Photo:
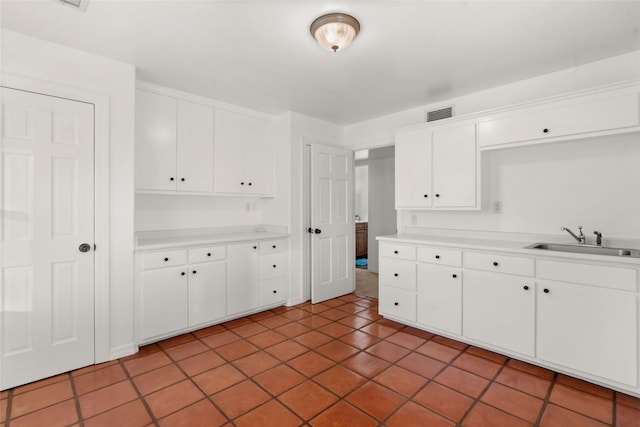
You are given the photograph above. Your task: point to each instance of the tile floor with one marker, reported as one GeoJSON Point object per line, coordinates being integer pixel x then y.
{"type": "Point", "coordinates": [331, 364]}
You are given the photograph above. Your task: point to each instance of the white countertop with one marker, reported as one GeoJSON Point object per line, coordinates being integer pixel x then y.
{"type": "Point", "coordinates": [510, 246]}
{"type": "Point", "coordinates": [161, 239]}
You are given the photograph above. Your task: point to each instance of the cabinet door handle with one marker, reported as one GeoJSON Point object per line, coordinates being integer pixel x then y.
{"type": "Point", "coordinates": [250, 183]}
{"type": "Point", "coordinates": [395, 252]}
{"type": "Point", "coordinates": [274, 246]}
{"type": "Point", "coordinates": [255, 247]}
{"type": "Point", "coordinates": [396, 304]}
{"type": "Point", "coordinates": [242, 183]}
{"type": "Point", "coordinates": [208, 253]}
{"type": "Point", "coordinates": [454, 275]}
{"type": "Point", "coordinates": [545, 130]}
{"type": "Point", "coordinates": [426, 195]}
{"type": "Point", "coordinates": [437, 256]}
{"type": "Point", "coordinates": [395, 274]}
{"type": "Point", "coordinates": [275, 292]}
{"type": "Point", "coordinates": [545, 290]}
{"type": "Point", "coordinates": [525, 287]}
{"type": "Point", "coordinates": [495, 263]}
{"type": "Point", "coordinates": [194, 271]}
{"type": "Point", "coordinates": [166, 259]}
{"type": "Point", "coordinates": [274, 266]}
{"type": "Point", "coordinates": [182, 273]}
{"type": "Point", "coordinates": [182, 179]}
{"type": "Point", "coordinates": [437, 195]}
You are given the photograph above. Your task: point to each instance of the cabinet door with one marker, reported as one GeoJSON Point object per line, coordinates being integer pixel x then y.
{"type": "Point", "coordinates": [589, 329]}
{"type": "Point", "coordinates": [243, 286]}
{"type": "Point", "coordinates": [163, 301]}
{"type": "Point", "coordinates": [228, 167]}
{"type": "Point", "coordinates": [440, 298]}
{"type": "Point", "coordinates": [207, 292]}
{"type": "Point", "coordinates": [413, 169]}
{"type": "Point", "coordinates": [259, 156]}
{"type": "Point", "coordinates": [499, 310]}
{"type": "Point", "coordinates": [195, 147]}
{"type": "Point", "coordinates": [454, 167]}
{"type": "Point", "coordinates": [155, 141]}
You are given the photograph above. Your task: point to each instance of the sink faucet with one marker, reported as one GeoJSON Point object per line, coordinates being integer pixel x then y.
{"type": "Point", "coordinates": [598, 238]}
{"type": "Point", "coordinates": [580, 238]}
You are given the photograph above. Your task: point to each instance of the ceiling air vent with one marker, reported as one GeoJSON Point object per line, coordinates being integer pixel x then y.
{"type": "Point", "coordinates": [76, 4]}
{"type": "Point", "coordinates": [443, 113]}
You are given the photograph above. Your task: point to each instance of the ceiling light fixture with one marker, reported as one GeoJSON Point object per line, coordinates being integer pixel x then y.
{"type": "Point", "coordinates": [335, 31]}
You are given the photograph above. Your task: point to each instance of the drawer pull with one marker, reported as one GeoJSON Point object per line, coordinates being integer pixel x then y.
{"type": "Point", "coordinates": [396, 304]}
{"type": "Point", "coordinates": [395, 252]}
{"type": "Point", "coordinates": [546, 291]}
{"type": "Point", "coordinates": [255, 247]}
{"type": "Point", "coordinates": [437, 256]}
{"type": "Point", "coordinates": [437, 195]}
{"type": "Point", "coordinates": [275, 292]}
{"type": "Point", "coordinates": [274, 266]}
{"type": "Point", "coordinates": [208, 253]}
{"type": "Point", "coordinates": [194, 271]}
{"type": "Point", "coordinates": [395, 274]}
{"type": "Point", "coordinates": [171, 179]}
{"type": "Point", "coordinates": [426, 195]}
{"type": "Point", "coordinates": [182, 273]}
{"type": "Point", "coordinates": [526, 288]}
{"type": "Point", "coordinates": [182, 179]}
{"type": "Point", "coordinates": [274, 246]}
{"type": "Point", "coordinates": [166, 259]}
{"type": "Point", "coordinates": [495, 263]}
{"type": "Point", "coordinates": [454, 275]}
{"type": "Point", "coordinates": [545, 130]}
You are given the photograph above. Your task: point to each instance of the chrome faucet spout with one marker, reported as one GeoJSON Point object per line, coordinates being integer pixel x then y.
{"type": "Point", "coordinates": [580, 238]}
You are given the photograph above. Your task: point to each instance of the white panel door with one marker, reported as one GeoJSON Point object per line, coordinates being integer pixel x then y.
{"type": "Point", "coordinates": [413, 169]}
{"type": "Point", "coordinates": [228, 166]}
{"type": "Point", "coordinates": [195, 147]}
{"type": "Point", "coordinates": [333, 240]}
{"type": "Point", "coordinates": [46, 207]}
{"type": "Point", "coordinates": [259, 158]}
{"type": "Point", "coordinates": [155, 141]}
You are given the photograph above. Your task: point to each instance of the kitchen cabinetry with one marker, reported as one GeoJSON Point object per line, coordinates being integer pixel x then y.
{"type": "Point", "coordinates": [174, 144]}
{"type": "Point", "coordinates": [437, 168]}
{"type": "Point", "coordinates": [244, 149]}
{"type": "Point", "coordinates": [397, 279]}
{"type": "Point", "coordinates": [362, 239]}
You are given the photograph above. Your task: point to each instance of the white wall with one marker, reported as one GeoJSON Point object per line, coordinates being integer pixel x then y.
{"type": "Point", "coordinates": [382, 212]}
{"type": "Point", "coordinates": [361, 177]}
{"type": "Point", "coordinates": [38, 59]}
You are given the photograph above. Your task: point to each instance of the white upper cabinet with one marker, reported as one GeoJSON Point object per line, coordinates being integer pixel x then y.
{"type": "Point", "coordinates": [437, 167]}
{"type": "Point", "coordinates": [244, 158]}
{"type": "Point", "coordinates": [174, 144]}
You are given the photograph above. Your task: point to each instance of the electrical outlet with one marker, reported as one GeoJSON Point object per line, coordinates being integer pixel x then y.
{"type": "Point", "coordinates": [497, 207]}
{"type": "Point", "coordinates": [414, 219]}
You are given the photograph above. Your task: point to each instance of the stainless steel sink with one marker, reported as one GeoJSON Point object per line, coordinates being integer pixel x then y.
{"type": "Point", "coordinates": [586, 249]}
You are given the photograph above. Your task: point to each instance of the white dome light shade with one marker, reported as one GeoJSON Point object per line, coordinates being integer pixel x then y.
{"type": "Point", "coordinates": [335, 31]}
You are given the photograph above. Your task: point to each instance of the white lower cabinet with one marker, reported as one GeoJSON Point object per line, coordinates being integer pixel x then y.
{"type": "Point", "coordinates": [440, 298]}
{"type": "Point", "coordinates": [500, 310]}
{"type": "Point", "coordinates": [397, 303]}
{"type": "Point", "coordinates": [207, 292]}
{"type": "Point", "coordinates": [164, 303]}
{"type": "Point", "coordinates": [244, 280]}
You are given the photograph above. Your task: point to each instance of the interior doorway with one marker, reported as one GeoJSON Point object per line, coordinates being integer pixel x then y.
{"type": "Point", "coordinates": [374, 211]}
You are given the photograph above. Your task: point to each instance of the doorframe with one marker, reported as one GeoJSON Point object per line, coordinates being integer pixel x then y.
{"type": "Point", "coordinates": [101, 123]}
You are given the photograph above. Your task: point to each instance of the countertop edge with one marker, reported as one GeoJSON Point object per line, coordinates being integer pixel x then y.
{"type": "Point", "coordinates": [185, 242]}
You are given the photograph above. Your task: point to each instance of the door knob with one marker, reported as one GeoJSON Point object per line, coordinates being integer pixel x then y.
{"type": "Point", "coordinates": [317, 231]}
{"type": "Point", "coordinates": [85, 247]}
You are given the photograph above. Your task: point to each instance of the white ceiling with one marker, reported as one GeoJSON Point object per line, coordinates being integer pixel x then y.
{"type": "Point", "coordinates": [259, 54]}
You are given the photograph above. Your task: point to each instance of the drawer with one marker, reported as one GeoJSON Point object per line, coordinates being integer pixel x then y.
{"type": "Point", "coordinates": [397, 303]}
{"type": "Point", "coordinates": [625, 279]}
{"type": "Point", "coordinates": [273, 291]}
{"type": "Point", "coordinates": [164, 259]}
{"type": "Point", "coordinates": [392, 250]}
{"type": "Point", "coordinates": [273, 246]}
{"type": "Point", "coordinates": [499, 263]}
{"type": "Point", "coordinates": [214, 253]}
{"type": "Point", "coordinates": [440, 256]}
{"type": "Point", "coordinates": [398, 273]}
{"type": "Point", "coordinates": [273, 265]}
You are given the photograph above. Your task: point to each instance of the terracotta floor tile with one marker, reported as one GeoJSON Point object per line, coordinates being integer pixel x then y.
{"type": "Point", "coordinates": [555, 416]}
{"type": "Point", "coordinates": [420, 364]}
{"type": "Point", "coordinates": [180, 339]}
{"type": "Point", "coordinates": [582, 402]}
{"type": "Point", "coordinates": [4, 404]}
{"type": "Point", "coordinates": [401, 381]}
{"type": "Point", "coordinates": [450, 343]}
{"type": "Point", "coordinates": [274, 321]}
{"type": "Point", "coordinates": [315, 321]}
{"type": "Point", "coordinates": [106, 398]}
{"type": "Point", "coordinates": [444, 401]}
{"type": "Point", "coordinates": [462, 381]}
{"type": "Point", "coordinates": [626, 416]}
{"type": "Point", "coordinates": [412, 415]}
{"type": "Point", "coordinates": [359, 339]}
{"type": "Point", "coordinates": [316, 308]}
{"type": "Point", "coordinates": [418, 333]}
{"type": "Point", "coordinates": [477, 365]}
{"type": "Point", "coordinates": [391, 323]}
{"type": "Point", "coordinates": [218, 379]}
{"type": "Point", "coordinates": [366, 364]}
{"type": "Point", "coordinates": [147, 363]}
{"type": "Point", "coordinates": [215, 329]}
{"type": "Point", "coordinates": [367, 302]}
{"type": "Point", "coordinates": [40, 397]}
{"type": "Point", "coordinates": [531, 369]}
{"type": "Point", "coordinates": [58, 415]}
{"type": "Point", "coordinates": [513, 402]}
{"type": "Point", "coordinates": [173, 398]}
{"type": "Point", "coordinates": [52, 380]}
{"type": "Point", "coordinates": [236, 322]}
{"type": "Point", "coordinates": [351, 308]}
{"type": "Point", "coordinates": [438, 351]}
{"type": "Point", "coordinates": [143, 351]}
{"type": "Point", "coordinates": [200, 414]}
{"type": "Point", "coordinates": [334, 314]}
{"type": "Point", "coordinates": [378, 330]}
{"type": "Point", "coordinates": [160, 378]}
{"type": "Point", "coordinates": [625, 399]}
{"type": "Point", "coordinates": [585, 386]}
{"type": "Point", "coordinates": [249, 329]}
{"type": "Point", "coordinates": [485, 416]}
{"type": "Point", "coordinates": [296, 314]}
{"type": "Point", "coordinates": [376, 400]}
{"type": "Point", "coordinates": [340, 380]}
{"type": "Point", "coordinates": [134, 414]}
{"type": "Point", "coordinates": [337, 350]}
{"type": "Point", "coordinates": [98, 379]}
{"type": "Point", "coordinates": [335, 330]}
{"type": "Point", "coordinates": [343, 415]}
{"type": "Point", "coordinates": [406, 340]}
{"type": "Point", "coordinates": [287, 350]}
{"type": "Point", "coordinates": [350, 298]}
{"type": "Point", "coordinates": [486, 354]}
{"type": "Point", "coordinates": [262, 315]}
{"type": "Point", "coordinates": [220, 339]}
{"type": "Point", "coordinates": [240, 398]}
{"type": "Point", "coordinates": [313, 339]}
{"type": "Point", "coordinates": [256, 363]}
{"type": "Point", "coordinates": [292, 329]}
{"type": "Point", "coordinates": [236, 350]}
{"type": "Point", "coordinates": [271, 414]}
{"type": "Point", "coordinates": [266, 339]}
{"type": "Point", "coordinates": [311, 363]}
{"type": "Point", "coordinates": [388, 351]}
{"type": "Point", "coordinates": [307, 399]}
{"type": "Point", "coordinates": [279, 379]}
{"type": "Point", "coordinates": [182, 351]}
{"type": "Point", "coordinates": [536, 386]}
{"type": "Point", "coordinates": [355, 322]}
{"type": "Point", "coordinates": [333, 302]}
{"type": "Point", "coordinates": [202, 362]}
